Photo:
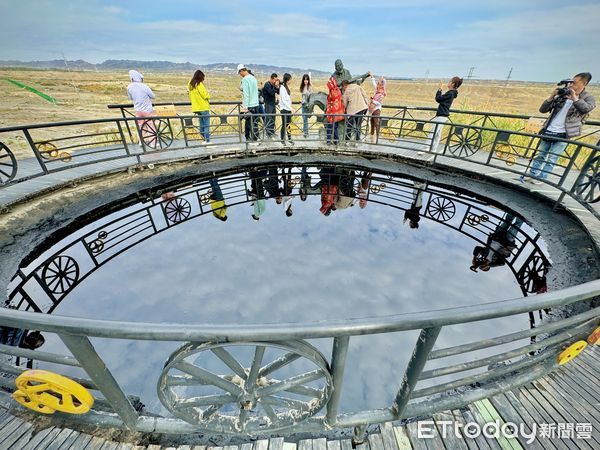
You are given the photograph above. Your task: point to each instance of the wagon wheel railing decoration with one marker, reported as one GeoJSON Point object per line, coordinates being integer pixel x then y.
{"type": "Point", "coordinates": [532, 274]}
{"type": "Point", "coordinates": [464, 142]}
{"type": "Point", "coordinates": [474, 219]}
{"type": "Point", "coordinates": [97, 245]}
{"type": "Point", "coordinates": [205, 198]}
{"type": "Point", "coordinates": [441, 209]}
{"type": "Point", "coordinates": [588, 186]}
{"type": "Point", "coordinates": [177, 209]}
{"type": "Point", "coordinates": [47, 150]}
{"type": "Point", "coordinates": [60, 274]}
{"type": "Point", "coordinates": [157, 134]}
{"type": "Point", "coordinates": [261, 386]}
{"type": "Point", "coordinates": [8, 164]}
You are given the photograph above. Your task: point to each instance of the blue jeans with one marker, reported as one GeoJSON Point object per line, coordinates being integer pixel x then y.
{"type": "Point", "coordinates": [305, 117]}
{"type": "Point", "coordinates": [548, 153]}
{"type": "Point", "coordinates": [332, 132]}
{"type": "Point", "coordinates": [204, 129]}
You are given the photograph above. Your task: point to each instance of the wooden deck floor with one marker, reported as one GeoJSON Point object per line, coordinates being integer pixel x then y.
{"type": "Point", "coordinates": [559, 410]}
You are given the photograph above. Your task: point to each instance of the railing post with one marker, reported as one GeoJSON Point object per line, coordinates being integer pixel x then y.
{"type": "Point", "coordinates": [402, 123]}
{"type": "Point", "coordinates": [83, 350]}
{"type": "Point", "coordinates": [123, 140]}
{"type": "Point", "coordinates": [185, 139]}
{"type": "Point", "coordinates": [126, 123]}
{"type": "Point", "coordinates": [415, 366]}
{"type": "Point", "coordinates": [36, 152]}
{"type": "Point", "coordinates": [338, 364]}
{"type": "Point", "coordinates": [569, 166]}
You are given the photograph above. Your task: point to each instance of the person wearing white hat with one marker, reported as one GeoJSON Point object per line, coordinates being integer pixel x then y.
{"type": "Point", "coordinates": [142, 96]}
{"type": "Point", "coordinates": [249, 102]}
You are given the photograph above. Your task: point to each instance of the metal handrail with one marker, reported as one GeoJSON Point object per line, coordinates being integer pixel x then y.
{"type": "Point", "coordinates": [310, 330]}
{"type": "Point", "coordinates": [407, 107]}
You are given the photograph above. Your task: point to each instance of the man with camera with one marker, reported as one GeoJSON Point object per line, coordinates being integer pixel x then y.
{"type": "Point", "coordinates": [568, 107]}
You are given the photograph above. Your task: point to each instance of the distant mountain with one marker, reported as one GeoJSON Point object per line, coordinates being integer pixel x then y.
{"type": "Point", "coordinates": [156, 66]}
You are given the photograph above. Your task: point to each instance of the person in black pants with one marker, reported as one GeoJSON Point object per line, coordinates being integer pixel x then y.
{"type": "Point", "coordinates": [270, 89]}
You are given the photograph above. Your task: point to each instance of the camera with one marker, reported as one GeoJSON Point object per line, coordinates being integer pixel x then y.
{"type": "Point", "coordinates": [565, 90]}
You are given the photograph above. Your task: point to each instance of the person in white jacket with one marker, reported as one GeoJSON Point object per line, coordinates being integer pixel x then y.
{"type": "Point", "coordinates": [285, 108]}
{"type": "Point", "coordinates": [141, 96]}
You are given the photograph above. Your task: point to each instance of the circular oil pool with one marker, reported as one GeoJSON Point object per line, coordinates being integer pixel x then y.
{"type": "Point", "coordinates": [287, 244]}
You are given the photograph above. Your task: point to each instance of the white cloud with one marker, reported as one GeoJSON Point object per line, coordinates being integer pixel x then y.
{"type": "Point", "coordinates": [541, 41]}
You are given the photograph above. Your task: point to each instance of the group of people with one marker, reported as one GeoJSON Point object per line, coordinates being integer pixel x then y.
{"type": "Point", "coordinates": [348, 103]}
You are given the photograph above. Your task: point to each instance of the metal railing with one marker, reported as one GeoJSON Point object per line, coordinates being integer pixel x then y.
{"type": "Point", "coordinates": [263, 396]}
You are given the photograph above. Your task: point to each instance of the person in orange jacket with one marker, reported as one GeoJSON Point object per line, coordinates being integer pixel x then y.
{"type": "Point", "coordinates": [334, 111]}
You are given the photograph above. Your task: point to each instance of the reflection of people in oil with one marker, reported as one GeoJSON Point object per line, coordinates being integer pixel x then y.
{"type": "Point", "coordinates": [499, 246]}
{"type": "Point", "coordinates": [257, 192]}
{"type": "Point", "coordinates": [286, 191]}
{"type": "Point", "coordinates": [413, 214]}
{"type": "Point", "coordinates": [217, 201]}
{"type": "Point", "coordinates": [346, 194]}
{"type": "Point", "coordinates": [272, 184]}
{"type": "Point", "coordinates": [363, 189]}
{"type": "Point", "coordinates": [17, 337]}
{"type": "Point", "coordinates": [330, 185]}
{"type": "Point", "coordinates": [306, 186]}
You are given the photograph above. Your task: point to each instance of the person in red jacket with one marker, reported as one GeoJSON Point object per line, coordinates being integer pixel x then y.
{"type": "Point", "coordinates": [334, 111]}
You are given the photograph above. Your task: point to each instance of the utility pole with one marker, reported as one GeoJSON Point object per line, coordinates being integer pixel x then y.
{"type": "Point", "coordinates": [427, 75]}
{"type": "Point", "coordinates": [470, 75]}
{"type": "Point", "coordinates": [508, 77]}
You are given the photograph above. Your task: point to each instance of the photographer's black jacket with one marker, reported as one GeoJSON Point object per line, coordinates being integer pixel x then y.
{"type": "Point", "coordinates": [445, 101]}
{"type": "Point", "coordinates": [269, 92]}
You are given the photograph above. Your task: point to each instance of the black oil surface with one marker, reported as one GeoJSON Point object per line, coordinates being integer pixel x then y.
{"type": "Point", "coordinates": [342, 243]}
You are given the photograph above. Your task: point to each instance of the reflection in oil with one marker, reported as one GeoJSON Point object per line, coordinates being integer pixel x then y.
{"type": "Point", "coordinates": [288, 244]}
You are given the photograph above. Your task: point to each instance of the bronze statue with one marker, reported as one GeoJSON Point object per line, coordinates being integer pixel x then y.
{"type": "Point", "coordinates": [342, 74]}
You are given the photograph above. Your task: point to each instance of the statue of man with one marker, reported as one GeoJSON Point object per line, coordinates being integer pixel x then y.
{"type": "Point", "coordinates": [342, 74]}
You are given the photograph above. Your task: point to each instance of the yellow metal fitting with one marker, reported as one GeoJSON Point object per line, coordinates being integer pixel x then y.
{"type": "Point", "coordinates": [594, 338]}
{"type": "Point", "coordinates": [571, 352]}
{"type": "Point", "coordinates": [47, 392]}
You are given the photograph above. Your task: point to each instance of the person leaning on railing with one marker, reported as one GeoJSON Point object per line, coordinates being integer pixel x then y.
{"type": "Point", "coordinates": [199, 97]}
{"type": "Point", "coordinates": [141, 96]}
{"type": "Point", "coordinates": [567, 113]}
{"type": "Point", "coordinates": [376, 103]}
{"type": "Point", "coordinates": [356, 102]}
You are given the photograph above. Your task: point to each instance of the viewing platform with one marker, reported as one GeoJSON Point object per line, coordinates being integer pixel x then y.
{"type": "Point", "coordinates": [543, 378]}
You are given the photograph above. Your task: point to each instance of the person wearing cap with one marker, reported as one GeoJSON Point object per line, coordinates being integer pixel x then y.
{"type": "Point", "coordinates": [249, 102]}
{"type": "Point", "coordinates": [141, 96]}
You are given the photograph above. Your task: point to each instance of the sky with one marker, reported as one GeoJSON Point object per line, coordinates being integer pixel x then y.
{"type": "Point", "coordinates": [542, 40]}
